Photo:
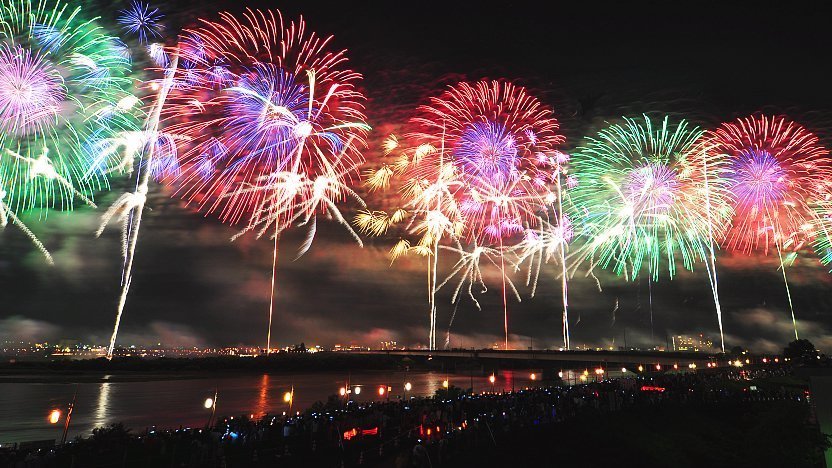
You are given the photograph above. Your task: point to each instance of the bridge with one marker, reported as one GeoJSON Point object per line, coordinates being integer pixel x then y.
{"type": "Point", "coordinates": [546, 358]}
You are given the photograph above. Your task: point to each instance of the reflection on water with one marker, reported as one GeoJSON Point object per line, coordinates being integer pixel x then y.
{"type": "Point", "coordinates": [262, 406]}
{"type": "Point", "coordinates": [180, 402]}
{"type": "Point", "coordinates": [102, 410]}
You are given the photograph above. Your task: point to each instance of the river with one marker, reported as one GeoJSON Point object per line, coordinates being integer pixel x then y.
{"type": "Point", "coordinates": [166, 402]}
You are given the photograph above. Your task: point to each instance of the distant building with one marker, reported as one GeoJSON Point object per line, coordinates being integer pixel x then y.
{"type": "Point", "coordinates": [692, 343]}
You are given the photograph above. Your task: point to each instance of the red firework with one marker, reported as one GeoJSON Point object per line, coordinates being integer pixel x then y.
{"type": "Point", "coordinates": [260, 110]}
{"type": "Point", "coordinates": [500, 142]}
{"type": "Point", "coordinates": [776, 171]}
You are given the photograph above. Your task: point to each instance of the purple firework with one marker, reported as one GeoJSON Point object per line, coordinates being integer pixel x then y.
{"type": "Point", "coordinates": [489, 151]}
{"type": "Point", "coordinates": [31, 91]}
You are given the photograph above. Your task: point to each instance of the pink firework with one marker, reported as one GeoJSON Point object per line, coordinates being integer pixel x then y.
{"type": "Point", "coordinates": [777, 170]}
{"type": "Point", "coordinates": [31, 91]}
{"type": "Point", "coordinates": [262, 110]}
{"type": "Point", "coordinates": [491, 145]}
{"type": "Point", "coordinates": [499, 140]}
{"type": "Point", "coordinates": [268, 123]}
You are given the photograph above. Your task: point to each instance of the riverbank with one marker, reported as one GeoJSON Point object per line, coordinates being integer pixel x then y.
{"type": "Point", "coordinates": [725, 418]}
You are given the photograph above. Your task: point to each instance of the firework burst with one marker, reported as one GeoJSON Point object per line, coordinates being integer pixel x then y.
{"type": "Point", "coordinates": [268, 124]}
{"type": "Point", "coordinates": [778, 172]}
{"type": "Point", "coordinates": [650, 196]}
{"type": "Point", "coordinates": [142, 20]}
{"type": "Point", "coordinates": [254, 99]}
{"type": "Point", "coordinates": [63, 89]}
{"type": "Point", "coordinates": [497, 137]}
{"type": "Point", "coordinates": [474, 171]}
{"type": "Point", "coordinates": [643, 197]}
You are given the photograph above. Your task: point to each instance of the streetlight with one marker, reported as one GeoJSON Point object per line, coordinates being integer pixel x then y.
{"type": "Point", "coordinates": [357, 390]}
{"type": "Point", "coordinates": [407, 387]}
{"type": "Point", "coordinates": [289, 398]}
{"type": "Point", "coordinates": [54, 416]}
{"type": "Point", "coordinates": [211, 403]}
{"type": "Point", "coordinates": [533, 376]}
{"type": "Point", "coordinates": [445, 383]}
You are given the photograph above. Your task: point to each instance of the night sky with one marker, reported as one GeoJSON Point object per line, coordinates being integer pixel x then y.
{"type": "Point", "coordinates": [590, 62]}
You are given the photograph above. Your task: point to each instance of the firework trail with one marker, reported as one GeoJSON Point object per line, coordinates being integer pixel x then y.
{"type": "Point", "coordinates": [268, 125]}
{"type": "Point", "coordinates": [476, 172]}
{"type": "Point", "coordinates": [648, 194]}
{"type": "Point", "coordinates": [777, 172]}
{"type": "Point", "coordinates": [63, 88]}
{"type": "Point", "coordinates": [538, 247]}
{"type": "Point", "coordinates": [710, 264]}
{"type": "Point", "coordinates": [432, 212]}
{"type": "Point", "coordinates": [130, 206]}
{"type": "Point", "coordinates": [468, 267]}
{"type": "Point", "coordinates": [551, 240]}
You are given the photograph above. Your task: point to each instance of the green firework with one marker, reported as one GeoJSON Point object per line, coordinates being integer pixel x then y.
{"type": "Point", "coordinates": [648, 197]}
{"type": "Point", "coordinates": [64, 94]}
{"type": "Point", "coordinates": [823, 238]}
